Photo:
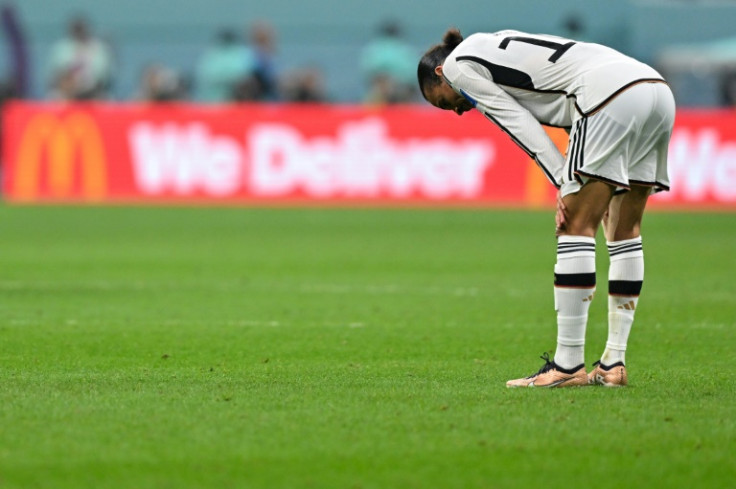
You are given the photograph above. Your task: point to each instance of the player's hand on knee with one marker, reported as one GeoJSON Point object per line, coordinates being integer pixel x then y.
{"type": "Point", "coordinates": [560, 214]}
{"type": "Point", "coordinates": [605, 222]}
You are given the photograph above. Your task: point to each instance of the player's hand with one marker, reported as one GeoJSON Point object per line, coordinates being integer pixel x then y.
{"type": "Point", "coordinates": [605, 221]}
{"type": "Point", "coordinates": [560, 214]}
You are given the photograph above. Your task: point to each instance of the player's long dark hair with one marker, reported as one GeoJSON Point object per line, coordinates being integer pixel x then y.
{"type": "Point", "coordinates": [434, 57]}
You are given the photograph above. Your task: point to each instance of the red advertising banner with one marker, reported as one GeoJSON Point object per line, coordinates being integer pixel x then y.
{"type": "Point", "coordinates": [702, 160]}
{"type": "Point", "coordinates": [332, 154]}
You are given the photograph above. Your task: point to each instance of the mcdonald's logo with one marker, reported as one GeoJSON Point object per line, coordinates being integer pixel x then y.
{"type": "Point", "coordinates": [72, 149]}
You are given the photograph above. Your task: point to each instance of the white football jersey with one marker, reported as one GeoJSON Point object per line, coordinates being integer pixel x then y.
{"type": "Point", "coordinates": [520, 81]}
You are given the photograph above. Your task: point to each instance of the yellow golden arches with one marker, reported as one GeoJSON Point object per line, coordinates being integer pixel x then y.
{"type": "Point", "coordinates": [61, 139]}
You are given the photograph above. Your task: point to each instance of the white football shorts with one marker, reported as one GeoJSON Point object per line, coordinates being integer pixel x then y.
{"type": "Point", "coordinates": [625, 142]}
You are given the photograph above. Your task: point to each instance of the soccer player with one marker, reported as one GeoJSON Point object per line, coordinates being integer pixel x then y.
{"type": "Point", "coordinates": [619, 113]}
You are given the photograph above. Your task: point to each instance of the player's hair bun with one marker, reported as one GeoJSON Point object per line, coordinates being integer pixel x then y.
{"type": "Point", "coordinates": [435, 56]}
{"type": "Point", "coordinates": [452, 38]}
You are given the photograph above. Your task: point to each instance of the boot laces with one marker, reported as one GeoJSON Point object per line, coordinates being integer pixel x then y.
{"type": "Point", "coordinates": [549, 364]}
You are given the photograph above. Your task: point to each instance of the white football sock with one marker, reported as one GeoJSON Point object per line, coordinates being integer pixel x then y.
{"type": "Point", "coordinates": [625, 278]}
{"type": "Point", "coordinates": [574, 290]}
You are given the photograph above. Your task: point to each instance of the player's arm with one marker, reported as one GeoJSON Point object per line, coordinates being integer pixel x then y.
{"type": "Point", "coordinates": [504, 111]}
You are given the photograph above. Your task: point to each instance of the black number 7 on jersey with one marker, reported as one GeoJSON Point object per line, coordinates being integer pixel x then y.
{"type": "Point", "coordinates": [559, 49]}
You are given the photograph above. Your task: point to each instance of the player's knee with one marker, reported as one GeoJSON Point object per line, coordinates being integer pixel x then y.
{"type": "Point", "coordinates": [621, 233]}
{"type": "Point", "coordinates": [581, 226]}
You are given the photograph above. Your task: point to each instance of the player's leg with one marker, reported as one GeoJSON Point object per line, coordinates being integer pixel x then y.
{"type": "Point", "coordinates": [647, 169]}
{"type": "Point", "coordinates": [575, 277]}
{"type": "Point", "coordinates": [574, 286]}
{"type": "Point", "coordinates": [625, 213]}
{"type": "Point", "coordinates": [624, 144]}
{"type": "Point", "coordinates": [625, 278]}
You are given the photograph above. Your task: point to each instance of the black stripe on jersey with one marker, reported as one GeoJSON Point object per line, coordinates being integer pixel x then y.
{"type": "Point", "coordinates": [521, 80]}
{"type": "Point", "coordinates": [575, 280]}
{"type": "Point", "coordinates": [624, 287]}
{"type": "Point", "coordinates": [503, 75]}
{"type": "Point", "coordinates": [528, 151]}
{"type": "Point", "coordinates": [504, 129]}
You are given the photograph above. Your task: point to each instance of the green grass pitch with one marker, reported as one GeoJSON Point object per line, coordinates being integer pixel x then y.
{"type": "Point", "coordinates": [353, 348]}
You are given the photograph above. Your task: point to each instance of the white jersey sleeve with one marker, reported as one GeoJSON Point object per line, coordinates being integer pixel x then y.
{"type": "Point", "coordinates": [510, 116]}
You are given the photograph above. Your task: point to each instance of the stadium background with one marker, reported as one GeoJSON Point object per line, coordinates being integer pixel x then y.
{"type": "Point", "coordinates": [331, 33]}
{"type": "Point", "coordinates": [301, 343]}
{"type": "Point", "coordinates": [329, 40]}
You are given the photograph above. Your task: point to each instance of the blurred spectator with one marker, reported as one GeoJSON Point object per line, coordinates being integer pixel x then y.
{"type": "Point", "coordinates": [728, 87]}
{"type": "Point", "coordinates": [573, 27]}
{"type": "Point", "coordinates": [80, 64]}
{"type": "Point", "coordinates": [16, 82]}
{"type": "Point", "coordinates": [264, 82]}
{"type": "Point", "coordinates": [388, 65]}
{"type": "Point", "coordinates": [304, 85]}
{"type": "Point", "coordinates": [161, 84]}
{"type": "Point", "coordinates": [224, 68]}
{"type": "Point", "coordinates": [701, 73]}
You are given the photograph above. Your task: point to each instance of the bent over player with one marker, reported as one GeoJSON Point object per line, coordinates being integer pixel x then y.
{"type": "Point", "coordinates": [619, 113]}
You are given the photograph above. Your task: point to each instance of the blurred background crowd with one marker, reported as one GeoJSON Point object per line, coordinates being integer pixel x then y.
{"type": "Point", "coordinates": [327, 51]}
